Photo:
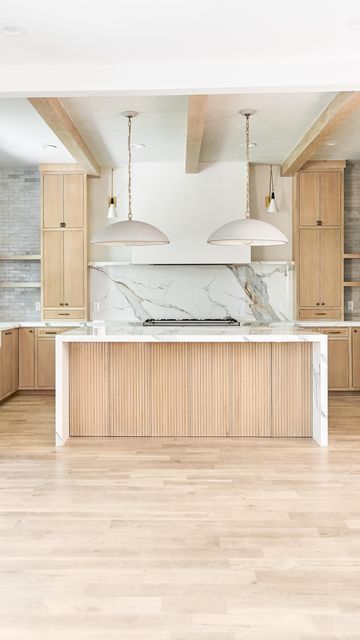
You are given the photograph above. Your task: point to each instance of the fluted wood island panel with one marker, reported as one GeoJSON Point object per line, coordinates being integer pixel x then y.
{"type": "Point", "coordinates": [190, 389]}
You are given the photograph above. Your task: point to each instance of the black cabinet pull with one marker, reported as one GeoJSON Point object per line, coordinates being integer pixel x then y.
{"type": "Point", "coordinates": [62, 224]}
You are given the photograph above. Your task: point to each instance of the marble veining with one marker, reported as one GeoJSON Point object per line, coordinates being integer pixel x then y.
{"type": "Point", "coordinates": [258, 292]}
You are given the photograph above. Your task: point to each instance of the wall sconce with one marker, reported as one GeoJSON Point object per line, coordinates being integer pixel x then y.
{"type": "Point", "coordinates": [270, 201]}
{"type": "Point", "coordinates": [112, 213]}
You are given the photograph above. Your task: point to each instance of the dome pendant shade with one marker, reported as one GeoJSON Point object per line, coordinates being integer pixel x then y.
{"type": "Point", "coordinates": [130, 233]}
{"type": "Point", "coordinates": [247, 231]}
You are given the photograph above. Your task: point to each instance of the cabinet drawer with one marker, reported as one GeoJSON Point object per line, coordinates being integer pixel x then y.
{"type": "Point", "coordinates": [336, 333]}
{"type": "Point", "coordinates": [49, 332]}
{"type": "Point", "coordinates": [69, 314]}
{"type": "Point", "coordinates": [318, 313]}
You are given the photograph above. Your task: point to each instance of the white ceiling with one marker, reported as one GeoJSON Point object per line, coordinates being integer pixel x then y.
{"type": "Point", "coordinates": [160, 125]}
{"type": "Point", "coordinates": [279, 122]}
{"type": "Point", "coordinates": [178, 46]}
{"type": "Point", "coordinates": [22, 134]}
{"type": "Point", "coordinates": [118, 31]}
{"type": "Point", "coordinates": [347, 138]}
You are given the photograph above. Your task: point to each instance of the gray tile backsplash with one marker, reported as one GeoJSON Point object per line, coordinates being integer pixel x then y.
{"type": "Point", "coordinates": [19, 234]}
{"type": "Point", "coordinates": [352, 235]}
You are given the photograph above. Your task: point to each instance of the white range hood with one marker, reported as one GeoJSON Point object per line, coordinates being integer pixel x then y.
{"type": "Point", "coordinates": [187, 207]}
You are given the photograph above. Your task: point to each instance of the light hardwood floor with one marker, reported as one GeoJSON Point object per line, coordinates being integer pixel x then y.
{"type": "Point", "coordinates": [184, 539]}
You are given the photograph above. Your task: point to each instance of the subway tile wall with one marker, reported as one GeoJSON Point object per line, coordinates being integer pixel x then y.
{"type": "Point", "coordinates": [19, 234]}
{"type": "Point", "coordinates": [352, 235]}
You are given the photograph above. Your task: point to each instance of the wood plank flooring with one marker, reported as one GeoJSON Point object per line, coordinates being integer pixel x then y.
{"type": "Point", "coordinates": [160, 539]}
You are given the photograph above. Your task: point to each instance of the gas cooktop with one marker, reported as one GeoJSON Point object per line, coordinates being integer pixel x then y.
{"type": "Point", "coordinates": [191, 322]}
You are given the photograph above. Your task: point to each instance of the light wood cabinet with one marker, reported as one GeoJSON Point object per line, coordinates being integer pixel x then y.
{"type": "Point", "coordinates": [53, 264]}
{"type": "Point", "coordinates": [26, 358]}
{"type": "Point", "coordinates": [9, 362]}
{"type": "Point", "coordinates": [320, 268]}
{"type": "Point", "coordinates": [355, 349]}
{"type": "Point", "coordinates": [318, 240]}
{"type": "Point", "coordinates": [64, 245]}
{"type": "Point", "coordinates": [320, 198]}
{"type": "Point", "coordinates": [37, 357]}
{"type": "Point", "coordinates": [73, 269]}
{"type": "Point", "coordinates": [339, 359]}
{"type": "Point", "coordinates": [53, 201]}
{"type": "Point", "coordinates": [63, 201]}
{"type": "Point", "coordinates": [45, 358]}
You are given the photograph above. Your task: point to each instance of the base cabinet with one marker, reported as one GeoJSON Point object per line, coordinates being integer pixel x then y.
{"type": "Point", "coordinates": [45, 358]}
{"type": "Point", "coordinates": [9, 363]}
{"type": "Point", "coordinates": [355, 353]}
{"type": "Point", "coordinates": [339, 364]}
{"type": "Point", "coordinates": [343, 358]}
{"type": "Point", "coordinates": [26, 358]}
{"type": "Point", "coordinates": [37, 357]}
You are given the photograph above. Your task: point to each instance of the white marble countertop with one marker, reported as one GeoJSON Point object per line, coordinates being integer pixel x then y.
{"type": "Point", "coordinates": [5, 326]}
{"type": "Point", "coordinates": [136, 332]}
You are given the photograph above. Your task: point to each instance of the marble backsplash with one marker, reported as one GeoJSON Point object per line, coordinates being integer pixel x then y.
{"type": "Point", "coordinates": [259, 292]}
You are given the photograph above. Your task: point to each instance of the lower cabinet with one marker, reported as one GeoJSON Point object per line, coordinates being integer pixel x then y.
{"type": "Point", "coordinates": [355, 352]}
{"type": "Point", "coordinates": [9, 362]}
{"type": "Point", "coordinates": [45, 360]}
{"type": "Point", "coordinates": [37, 357]}
{"type": "Point", "coordinates": [339, 358]}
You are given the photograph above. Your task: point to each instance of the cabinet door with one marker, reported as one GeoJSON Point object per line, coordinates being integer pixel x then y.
{"type": "Point", "coordinates": [45, 369]}
{"type": "Point", "coordinates": [355, 345]}
{"type": "Point", "coordinates": [53, 293]}
{"type": "Point", "coordinates": [309, 199]}
{"type": "Point", "coordinates": [74, 201]}
{"type": "Point", "coordinates": [26, 358]}
{"type": "Point", "coordinates": [330, 198]}
{"type": "Point", "coordinates": [53, 201]}
{"type": "Point", "coordinates": [309, 268]}
{"type": "Point", "coordinates": [74, 273]}
{"type": "Point", "coordinates": [331, 268]}
{"type": "Point", "coordinates": [9, 362]}
{"type": "Point", "coordinates": [338, 364]}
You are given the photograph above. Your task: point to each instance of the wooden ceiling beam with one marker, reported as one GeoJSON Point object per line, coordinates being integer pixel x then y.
{"type": "Point", "coordinates": [340, 108]}
{"type": "Point", "coordinates": [197, 106]}
{"type": "Point", "coordinates": [55, 116]}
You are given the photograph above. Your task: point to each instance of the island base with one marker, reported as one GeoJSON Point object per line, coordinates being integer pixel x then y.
{"type": "Point", "coordinates": [190, 389]}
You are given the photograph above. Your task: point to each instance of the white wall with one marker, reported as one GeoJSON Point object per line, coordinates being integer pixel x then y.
{"type": "Point", "coordinates": [259, 187]}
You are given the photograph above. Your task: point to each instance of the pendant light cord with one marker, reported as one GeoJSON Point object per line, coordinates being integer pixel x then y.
{"type": "Point", "coordinates": [247, 141]}
{"type": "Point", "coordinates": [129, 167]}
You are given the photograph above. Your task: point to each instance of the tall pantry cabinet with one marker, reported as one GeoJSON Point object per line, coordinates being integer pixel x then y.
{"type": "Point", "coordinates": [318, 239]}
{"type": "Point", "coordinates": [64, 244]}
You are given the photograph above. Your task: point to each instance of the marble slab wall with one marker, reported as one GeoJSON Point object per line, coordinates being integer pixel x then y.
{"type": "Point", "coordinates": [256, 292]}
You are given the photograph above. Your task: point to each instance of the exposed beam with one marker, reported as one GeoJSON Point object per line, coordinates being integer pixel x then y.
{"type": "Point", "coordinates": [195, 128]}
{"type": "Point", "coordinates": [54, 114]}
{"type": "Point", "coordinates": [340, 108]}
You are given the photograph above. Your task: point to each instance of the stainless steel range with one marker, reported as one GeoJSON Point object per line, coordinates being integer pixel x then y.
{"type": "Point", "coordinates": [191, 322]}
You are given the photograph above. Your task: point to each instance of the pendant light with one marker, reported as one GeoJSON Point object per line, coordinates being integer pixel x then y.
{"type": "Point", "coordinates": [130, 232]}
{"type": "Point", "coordinates": [112, 213]}
{"type": "Point", "coordinates": [247, 231]}
{"type": "Point", "coordinates": [270, 201]}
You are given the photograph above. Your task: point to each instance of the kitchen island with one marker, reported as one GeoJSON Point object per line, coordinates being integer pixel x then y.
{"type": "Point", "coordinates": [130, 380]}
